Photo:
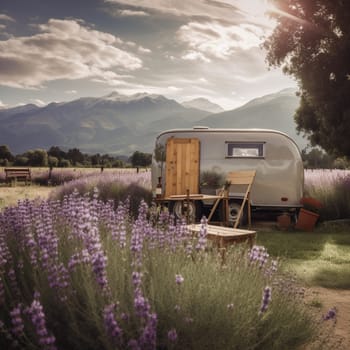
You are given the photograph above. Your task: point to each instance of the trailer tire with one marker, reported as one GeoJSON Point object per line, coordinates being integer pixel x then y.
{"type": "Point", "coordinates": [178, 208]}
{"type": "Point", "coordinates": [233, 209]}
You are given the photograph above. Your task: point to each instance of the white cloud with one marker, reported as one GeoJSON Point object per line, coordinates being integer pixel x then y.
{"type": "Point", "coordinates": [195, 56]}
{"type": "Point", "coordinates": [71, 92]}
{"type": "Point", "coordinates": [214, 9]}
{"type": "Point", "coordinates": [4, 17]}
{"type": "Point", "coordinates": [230, 11]}
{"type": "Point", "coordinates": [128, 13]}
{"type": "Point", "coordinates": [64, 49]}
{"type": "Point", "coordinates": [144, 49]}
{"type": "Point", "coordinates": [38, 102]}
{"type": "Point", "coordinates": [3, 105]}
{"type": "Point", "coordinates": [217, 40]}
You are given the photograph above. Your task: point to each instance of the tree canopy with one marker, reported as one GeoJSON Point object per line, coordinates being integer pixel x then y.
{"type": "Point", "coordinates": [312, 43]}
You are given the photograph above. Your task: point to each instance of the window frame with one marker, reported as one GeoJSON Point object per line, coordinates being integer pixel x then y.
{"type": "Point", "coordinates": [259, 145]}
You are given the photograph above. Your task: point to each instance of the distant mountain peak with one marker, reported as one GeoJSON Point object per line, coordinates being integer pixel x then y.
{"type": "Point", "coordinates": [203, 104]}
{"type": "Point", "coordinates": [117, 97]}
{"type": "Point", "coordinates": [288, 92]}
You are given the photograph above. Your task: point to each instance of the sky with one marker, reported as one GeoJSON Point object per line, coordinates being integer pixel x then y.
{"type": "Point", "coordinates": [60, 50]}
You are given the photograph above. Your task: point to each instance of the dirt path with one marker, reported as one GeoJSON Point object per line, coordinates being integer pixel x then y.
{"type": "Point", "coordinates": [330, 298]}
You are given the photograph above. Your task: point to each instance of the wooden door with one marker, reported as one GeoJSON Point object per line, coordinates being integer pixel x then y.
{"type": "Point", "coordinates": [182, 166]}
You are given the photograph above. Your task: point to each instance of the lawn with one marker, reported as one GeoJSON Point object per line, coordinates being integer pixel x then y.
{"type": "Point", "coordinates": [319, 258]}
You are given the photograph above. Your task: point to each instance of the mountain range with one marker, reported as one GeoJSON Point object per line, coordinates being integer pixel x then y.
{"type": "Point", "coordinates": [119, 124]}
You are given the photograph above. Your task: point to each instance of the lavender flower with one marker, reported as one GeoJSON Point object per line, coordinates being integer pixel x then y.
{"type": "Point", "coordinates": [172, 335]}
{"type": "Point", "coordinates": [136, 278]}
{"type": "Point", "coordinates": [99, 261]}
{"type": "Point", "coordinates": [17, 321]}
{"type": "Point", "coordinates": [37, 316]}
{"type": "Point", "coordinates": [266, 299]}
{"type": "Point", "coordinates": [331, 314]}
{"type": "Point", "coordinates": [149, 334]}
{"type": "Point", "coordinates": [141, 305]}
{"type": "Point", "coordinates": [179, 279]}
{"type": "Point", "coordinates": [110, 322]}
{"type": "Point", "coordinates": [259, 255]}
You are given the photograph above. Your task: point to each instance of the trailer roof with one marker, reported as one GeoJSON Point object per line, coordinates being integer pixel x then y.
{"type": "Point", "coordinates": [206, 129]}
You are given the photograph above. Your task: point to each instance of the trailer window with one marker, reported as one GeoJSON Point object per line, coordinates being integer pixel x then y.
{"type": "Point", "coordinates": [245, 150]}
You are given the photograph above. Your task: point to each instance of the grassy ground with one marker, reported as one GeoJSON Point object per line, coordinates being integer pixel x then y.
{"type": "Point", "coordinates": [10, 195]}
{"type": "Point", "coordinates": [320, 258]}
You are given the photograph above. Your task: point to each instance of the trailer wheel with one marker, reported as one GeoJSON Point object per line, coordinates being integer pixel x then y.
{"type": "Point", "coordinates": [233, 209]}
{"type": "Point", "coordinates": [180, 209]}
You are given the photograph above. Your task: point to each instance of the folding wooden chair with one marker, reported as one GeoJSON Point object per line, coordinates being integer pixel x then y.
{"type": "Point", "coordinates": [241, 179]}
{"type": "Point", "coordinates": [237, 180]}
{"type": "Point", "coordinates": [224, 236]}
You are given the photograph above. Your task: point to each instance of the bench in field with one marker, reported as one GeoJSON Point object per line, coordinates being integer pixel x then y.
{"type": "Point", "coordinates": [18, 174]}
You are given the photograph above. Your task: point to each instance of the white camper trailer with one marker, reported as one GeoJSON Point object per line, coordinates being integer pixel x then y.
{"type": "Point", "coordinates": [197, 160]}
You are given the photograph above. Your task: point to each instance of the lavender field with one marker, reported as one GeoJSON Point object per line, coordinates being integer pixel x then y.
{"type": "Point", "coordinates": [78, 274]}
{"type": "Point", "coordinates": [83, 270]}
{"type": "Point", "coordinates": [332, 188]}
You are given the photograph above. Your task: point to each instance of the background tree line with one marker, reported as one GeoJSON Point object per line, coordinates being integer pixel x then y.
{"type": "Point", "coordinates": [56, 157]}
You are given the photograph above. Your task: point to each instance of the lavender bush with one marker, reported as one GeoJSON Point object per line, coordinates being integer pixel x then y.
{"type": "Point", "coordinates": [79, 274]}
{"type": "Point", "coordinates": [332, 188]}
{"type": "Point", "coordinates": [113, 185]}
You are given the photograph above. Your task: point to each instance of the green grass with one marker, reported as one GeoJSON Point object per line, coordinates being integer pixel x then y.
{"type": "Point", "coordinates": [320, 258]}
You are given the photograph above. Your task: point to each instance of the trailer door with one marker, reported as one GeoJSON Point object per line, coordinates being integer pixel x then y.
{"type": "Point", "coordinates": [182, 166]}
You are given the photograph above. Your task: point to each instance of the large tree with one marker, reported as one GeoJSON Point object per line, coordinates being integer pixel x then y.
{"type": "Point", "coordinates": [312, 43]}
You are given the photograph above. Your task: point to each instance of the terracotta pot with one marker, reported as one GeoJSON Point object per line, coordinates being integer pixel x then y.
{"type": "Point", "coordinates": [306, 220]}
{"type": "Point", "coordinates": [284, 222]}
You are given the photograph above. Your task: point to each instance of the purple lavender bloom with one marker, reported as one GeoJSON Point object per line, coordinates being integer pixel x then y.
{"type": "Point", "coordinates": [266, 299]}
{"type": "Point", "coordinates": [110, 322]}
{"type": "Point", "coordinates": [17, 321]}
{"type": "Point", "coordinates": [172, 335]}
{"type": "Point", "coordinates": [136, 278]}
{"type": "Point", "coordinates": [149, 335]}
{"type": "Point", "coordinates": [141, 304]}
{"type": "Point", "coordinates": [179, 279]}
{"type": "Point", "coordinates": [258, 255]}
{"type": "Point", "coordinates": [99, 267]}
{"type": "Point", "coordinates": [331, 314]}
{"type": "Point", "coordinates": [37, 316]}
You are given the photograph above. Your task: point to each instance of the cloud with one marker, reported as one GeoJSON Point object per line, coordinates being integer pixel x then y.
{"type": "Point", "coordinates": [128, 13]}
{"type": "Point", "coordinates": [206, 8]}
{"type": "Point", "coordinates": [217, 40]}
{"type": "Point", "coordinates": [63, 49]}
{"type": "Point", "coordinates": [3, 105]}
{"type": "Point", "coordinates": [4, 17]}
{"type": "Point", "coordinates": [38, 102]}
{"type": "Point", "coordinates": [195, 56]}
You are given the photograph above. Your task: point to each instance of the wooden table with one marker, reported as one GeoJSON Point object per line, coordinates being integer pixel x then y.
{"type": "Point", "coordinates": [224, 236]}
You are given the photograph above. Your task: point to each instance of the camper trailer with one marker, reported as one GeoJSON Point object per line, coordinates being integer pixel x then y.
{"type": "Point", "coordinates": [197, 161]}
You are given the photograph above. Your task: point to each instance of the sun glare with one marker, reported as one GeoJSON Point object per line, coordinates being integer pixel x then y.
{"type": "Point", "coordinates": [257, 9]}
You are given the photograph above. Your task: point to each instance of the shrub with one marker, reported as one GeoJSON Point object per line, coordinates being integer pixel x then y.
{"type": "Point", "coordinates": [332, 188]}
{"type": "Point", "coordinates": [77, 274]}
{"type": "Point", "coordinates": [116, 186]}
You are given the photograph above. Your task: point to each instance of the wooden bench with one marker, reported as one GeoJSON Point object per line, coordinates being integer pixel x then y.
{"type": "Point", "coordinates": [18, 174]}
